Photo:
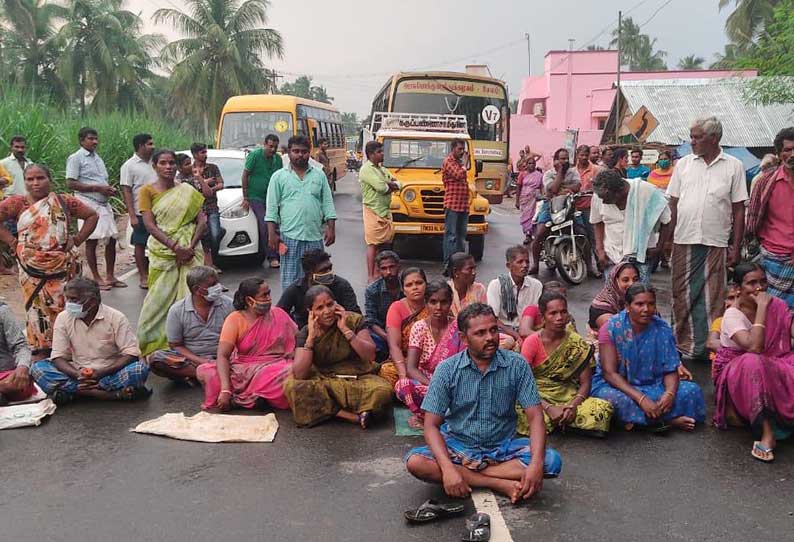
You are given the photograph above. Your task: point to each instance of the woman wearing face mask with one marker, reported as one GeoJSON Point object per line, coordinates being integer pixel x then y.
{"type": "Point", "coordinates": [173, 217]}
{"type": "Point", "coordinates": [432, 340]}
{"type": "Point", "coordinates": [45, 250]}
{"type": "Point", "coordinates": [255, 352]}
{"type": "Point", "coordinates": [637, 369]}
{"type": "Point", "coordinates": [462, 270]}
{"type": "Point", "coordinates": [334, 374]}
{"type": "Point", "coordinates": [402, 314]}
{"type": "Point", "coordinates": [661, 175]}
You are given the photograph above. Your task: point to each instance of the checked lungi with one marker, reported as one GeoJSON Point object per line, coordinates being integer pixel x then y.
{"type": "Point", "coordinates": [780, 275]}
{"type": "Point", "coordinates": [291, 268]}
{"type": "Point", "coordinates": [50, 379]}
{"type": "Point", "coordinates": [699, 280]}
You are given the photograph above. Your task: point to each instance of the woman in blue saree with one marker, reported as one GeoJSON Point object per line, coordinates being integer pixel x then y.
{"type": "Point", "coordinates": [637, 369]}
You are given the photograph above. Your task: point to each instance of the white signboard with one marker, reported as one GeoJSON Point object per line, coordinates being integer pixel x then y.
{"type": "Point", "coordinates": [491, 114]}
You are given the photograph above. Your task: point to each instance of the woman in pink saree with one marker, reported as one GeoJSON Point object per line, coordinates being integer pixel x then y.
{"type": "Point", "coordinates": [529, 184]}
{"type": "Point", "coordinates": [432, 340]}
{"type": "Point", "coordinates": [255, 353]}
{"type": "Point", "coordinates": [753, 372]}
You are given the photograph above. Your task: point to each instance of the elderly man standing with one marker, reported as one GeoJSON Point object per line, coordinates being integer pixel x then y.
{"type": "Point", "coordinates": [707, 194]}
{"type": "Point", "coordinates": [377, 184]}
{"type": "Point", "coordinates": [94, 351]}
{"type": "Point", "coordinates": [769, 217]}
{"type": "Point", "coordinates": [299, 200]}
{"type": "Point", "coordinates": [260, 165]}
{"type": "Point", "coordinates": [87, 176]}
{"type": "Point", "coordinates": [630, 218]}
{"type": "Point", "coordinates": [193, 327]}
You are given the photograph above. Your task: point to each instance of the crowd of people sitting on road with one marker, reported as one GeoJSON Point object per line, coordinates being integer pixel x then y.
{"type": "Point", "coordinates": [479, 367]}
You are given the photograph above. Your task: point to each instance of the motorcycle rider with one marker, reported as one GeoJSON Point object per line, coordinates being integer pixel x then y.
{"type": "Point", "coordinates": [562, 179]}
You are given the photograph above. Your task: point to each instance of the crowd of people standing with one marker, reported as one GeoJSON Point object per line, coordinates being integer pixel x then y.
{"type": "Point", "coordinates": [479, 366]}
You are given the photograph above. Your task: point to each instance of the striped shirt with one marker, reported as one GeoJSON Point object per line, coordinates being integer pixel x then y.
{"type": "Point", "coordinates": [479, 408]}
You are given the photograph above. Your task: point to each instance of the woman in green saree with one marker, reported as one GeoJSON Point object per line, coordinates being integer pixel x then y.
{"type": "Point", "coordinates": [172, 215]}
{"type": "Point", "coordinates": [562, 363]}
{"type": "Point", "coordinates": [334, 373]}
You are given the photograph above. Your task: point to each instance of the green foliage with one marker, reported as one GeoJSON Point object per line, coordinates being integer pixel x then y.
{"type": "Point", "coordinates": [637, 49]}
{"type": "Point", "coordinates": [220, 55]}
{"type": "Point", "coordinates": [52, 134]}
{"type": "Point", "coordinates": [773, 53]}
{"type": "Point", "coordinates": [350, 124]}
{"type": "Point", "coordinates": [691, 62]}
{"type": "Point", "coordinates": [302, 87]}
{"type": "Point", "coordinates": [747, 19]}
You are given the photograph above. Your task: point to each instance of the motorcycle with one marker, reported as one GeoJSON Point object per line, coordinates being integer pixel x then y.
{"type": "Point", "coordinates": [566, 247]}
{"type": "Point", "coordinates": [353, 164]}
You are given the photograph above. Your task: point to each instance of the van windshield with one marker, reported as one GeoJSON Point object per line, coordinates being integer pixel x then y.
{"type": "Point", "coordinates": [415, 153]}
{"type": "Point", "coordinates": [248, 129]}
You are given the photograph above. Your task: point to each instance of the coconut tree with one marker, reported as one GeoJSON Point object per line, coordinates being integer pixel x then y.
{"type": "Point", "coordinates": [95, 38]}
{"type": "Point", "coordinates": [691, 62]}
{"type": "Point", "coordinates": [220, 54]}
{"type": "Point", "coordinates": [747, 19]}
{"type": "Point", "coordinates": [29, 44]}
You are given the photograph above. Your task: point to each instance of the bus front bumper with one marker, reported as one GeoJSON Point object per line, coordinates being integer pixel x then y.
{"type": "Point", "coordinates": [408, 228]}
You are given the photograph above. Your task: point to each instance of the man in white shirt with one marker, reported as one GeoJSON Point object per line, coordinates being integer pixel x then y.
{"type": "Point", "coordinates": [630, 220]}
{"type": "Point", "coordinates": [136, 172]}
{"type": "Point", "coordinates": [510, 293]}
{"type": "Point", "coordinates": [707, 194]}
{"type": "Point", "coordinates": [15, 164]}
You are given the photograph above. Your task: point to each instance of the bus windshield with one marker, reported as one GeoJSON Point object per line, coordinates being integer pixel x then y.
{"type": "Point", "coordinates": [415, 153]}
{"type": "Point", "coordinates": [455, 97]}
{"type": "Point", "coordinates": [247, 129]}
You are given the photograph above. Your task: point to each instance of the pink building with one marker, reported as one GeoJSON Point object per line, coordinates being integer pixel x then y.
{"type": "Point", "coordinates": [576, 91]}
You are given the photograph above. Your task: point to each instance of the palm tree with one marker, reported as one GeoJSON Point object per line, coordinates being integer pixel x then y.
{"type": "Point", "coordinates": [647, 59]}
{"type": "Point", "coordinates": [630, 41]}
{"type": "Point", "coordinates": [221, 53]}
{"type": "Point", "coordinates": [691, 62]}
{"type": "Point", "coordinates": [29, 44]}
{"type": "Point", "coordinates": [727, 59]}
{"type": "Point", "coordinates": [95, 38]}
{"type": "Point", "coordinates": [747, 19]}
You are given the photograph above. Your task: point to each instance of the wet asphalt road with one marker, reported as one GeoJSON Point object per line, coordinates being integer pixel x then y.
{"type": "Point", "coordinates": [83, 476]}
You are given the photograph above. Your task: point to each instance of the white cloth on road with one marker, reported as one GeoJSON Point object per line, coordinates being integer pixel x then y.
{"type": "Point", "coordinates": [206, 427]}
{"type": "Point", "coordinates": [25, 414]}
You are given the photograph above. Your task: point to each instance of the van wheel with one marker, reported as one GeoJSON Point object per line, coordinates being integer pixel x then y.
{"type": "Point", "coordinates": [477, 246]}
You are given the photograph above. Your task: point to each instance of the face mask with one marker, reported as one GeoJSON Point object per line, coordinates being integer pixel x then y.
{"type": "Point", "coordinates": [262, 308]}
{"type": "Point", "coordinates": [75, 309]}
{"type": "Point", "coordinates": [214, 293]}
{"type": "Point", "coordinates": [664, 164]}
{"type": "Point", "coordinates": [323, 278]}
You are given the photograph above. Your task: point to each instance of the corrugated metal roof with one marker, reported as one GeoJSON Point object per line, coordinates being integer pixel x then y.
{"type": "Point", "coordinates": [677, 102]}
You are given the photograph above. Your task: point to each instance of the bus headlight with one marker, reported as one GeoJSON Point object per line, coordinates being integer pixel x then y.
{"type": "Point", "coordinates": [409, 196]}
{"type": "Point", "coordinates": [489, 185]}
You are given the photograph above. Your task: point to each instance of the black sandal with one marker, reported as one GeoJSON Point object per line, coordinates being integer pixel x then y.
{"type": "Point", "coordinates": [432, 510]}
{"type": "Point", "coordinates": [364, 419]}
{"type": "Point", "coordinates": [478, 528]}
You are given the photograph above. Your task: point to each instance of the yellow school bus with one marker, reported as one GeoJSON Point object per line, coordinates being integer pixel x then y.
{"type": "Point", "coordinates": [246, 121]}
{"type": "Point", "coordinates": [482, 100]}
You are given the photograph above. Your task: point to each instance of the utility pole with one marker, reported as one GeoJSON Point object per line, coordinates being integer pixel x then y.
{"type": "Point", "coordinates": [617, 93]}
{"type": "Point", "coordinates": [529, 55]}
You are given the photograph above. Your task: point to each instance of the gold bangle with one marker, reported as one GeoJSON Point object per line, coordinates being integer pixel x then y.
{"type": "Point", "coordinates": [758, 325]}
{"type": "Point", "coordinates": [399, 363]}
{"type": "Point", "coordinates": [644, 397]}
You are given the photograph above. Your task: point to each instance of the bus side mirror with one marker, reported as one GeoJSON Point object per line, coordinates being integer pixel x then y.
{"type": "Point", "coordinates": [478, 166]}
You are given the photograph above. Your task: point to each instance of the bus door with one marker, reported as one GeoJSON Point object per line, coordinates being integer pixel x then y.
{"type": "Point", "coordinates": [314, 134]}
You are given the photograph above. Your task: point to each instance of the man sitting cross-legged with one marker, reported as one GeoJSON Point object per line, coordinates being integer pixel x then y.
{"type": "Point", "coordinates": [475, 393]}
{"type": "Point", "coordinates": [15, 381]}
{"type": "Point", "coordinates": [193, 327]}
{"type": "Point", "coordinates": [94, 351]}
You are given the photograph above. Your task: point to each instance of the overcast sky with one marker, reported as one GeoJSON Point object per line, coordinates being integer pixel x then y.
{"type": "Point", "coordinates": [350, 46]}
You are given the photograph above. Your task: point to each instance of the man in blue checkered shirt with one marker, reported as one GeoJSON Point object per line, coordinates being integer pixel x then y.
{"type": "Point", "coordinates": [473, 394]}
